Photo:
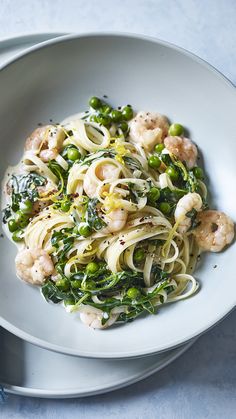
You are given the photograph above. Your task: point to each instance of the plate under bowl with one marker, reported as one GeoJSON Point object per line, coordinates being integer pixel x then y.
{"type": "Point", "coordinates": [56, 80]}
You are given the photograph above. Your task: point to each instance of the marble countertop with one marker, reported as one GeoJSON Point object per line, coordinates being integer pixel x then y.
{"type": "Point", "coordinates": [202, 383]}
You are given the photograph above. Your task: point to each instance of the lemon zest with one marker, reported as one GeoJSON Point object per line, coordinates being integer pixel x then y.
{"type": "Point", "coordinates": [171, 234]}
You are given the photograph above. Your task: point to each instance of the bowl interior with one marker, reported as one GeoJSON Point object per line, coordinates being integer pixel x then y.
{"type": "Point", "coordinates": [56, 81]}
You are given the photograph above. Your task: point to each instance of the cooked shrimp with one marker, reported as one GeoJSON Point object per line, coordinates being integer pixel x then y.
{"type": "Point", "coordinates": [102, 172]}
{"type": "Point", "coordinates": [148, 129]}
{"type": "Point", "coordinates": [188, 202]}
{"type": "Point", "coordinates": [46, 141]}
{"type": "Point", "coordinates": [183, 148]}
{"type": "Point", "coordinates": [34, 265]}
{"type": "Point", "coordinates": [115, 220]}
{"type": "Point", "coordinates": [216, 230]}
{"type": "Point", "coordinates": [93, 318]}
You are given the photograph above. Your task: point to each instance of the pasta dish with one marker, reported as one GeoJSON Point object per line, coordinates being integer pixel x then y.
{"type": "Point", "coordinates": [109, 212]}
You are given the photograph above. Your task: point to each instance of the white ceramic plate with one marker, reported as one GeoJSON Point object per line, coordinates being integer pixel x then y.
{"type": "Point", "coordinates": [55, 80]}
{"type": "Point", "coordinates": [28, 370]}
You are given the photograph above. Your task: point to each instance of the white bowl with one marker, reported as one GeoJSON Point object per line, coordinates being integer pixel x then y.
{"type": "Point", "coordinates": [56, 79]}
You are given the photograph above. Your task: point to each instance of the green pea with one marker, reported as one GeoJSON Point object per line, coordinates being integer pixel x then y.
{"type": "Point", "coordinates": [165, 208]}
{"type": "Point", "coordinates": [104, 120]}
{"type": "Point", "coordinates": [175, 130]}
{"type": "Point", "coordinates": [153, 195]}
{"type": "Point", "coordinates": [73, 154]}
{"type": "Point", "coordinates": [21, 219]}
{"type": "Point", "coordinates": [198, 172]}
{"type": "Point", "coordinates": [133, 293]}
{"type": "Point", "coordinates": [159, 148]}
{"type": "Point", "coordinates": [26, 206]}
{"type": "Point", "coordinates": [65, 206]}
{"type": "Point", "coordinates": [12, 225]}
{"type": "Point", "coordinates": [93, 118]}
{"type": "Point", "coordinates": [154, 162]}
{"type": "Point", "coordinates": [92, 267]}
{"type": "Point", "coordinates": [76, 284]}
{"type": "Point", "coordinates": [106, 109]}
{"type": "Point", "coordinates": [127, 113]}
{"type": "Point", "coordinates": [62, 284]}
{"type": "Point", "coordinates": [95, 102]}
{"type": "Point", "coordinates": [172, 173]}
{"type": "Point", "coordinates": [124, 126]}
{"type": "Point", "coordinates": [17, 236]}
{"type": "Point", "coordinates": [116, 115]}
{"type": "Point", "coordinates": [139, 255]}
{"type": "Point", "coordinates": [89, 285]}
{"type": "Point", "coordinates": [85, 230]}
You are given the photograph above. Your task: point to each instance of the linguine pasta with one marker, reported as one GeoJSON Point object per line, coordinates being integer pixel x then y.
{"type": "Point", "coordinates": [93, 207]}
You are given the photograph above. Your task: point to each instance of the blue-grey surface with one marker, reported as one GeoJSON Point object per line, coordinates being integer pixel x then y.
{"type": "Point", "coordinates": [202, 383]}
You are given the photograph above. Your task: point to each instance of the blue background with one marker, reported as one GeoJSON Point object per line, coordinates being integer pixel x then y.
{"type": "Point", "coordinates": [202, 383]}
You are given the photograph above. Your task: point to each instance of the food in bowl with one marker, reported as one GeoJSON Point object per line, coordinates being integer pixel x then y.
{"type": "Point", "coordinates": [109, 212]}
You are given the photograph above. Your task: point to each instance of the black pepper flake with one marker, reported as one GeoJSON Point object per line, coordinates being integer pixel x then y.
{"type": "Point", "coordinates": [39, 124]}
{"type": "Point", "coordinates": [122, 242]}
{"type": "Point", "coordinates": [2, 236]}
{"type": "Point", "coordinates": [142, 219]}
{"type": "Point", "coordinates": [105, 96]}
{"type": "Point", "coordinates": [215, 266]}
{"type": "Point", "coordinates": [50, 120]}
{"type": "Point", "coordinates": [199, 257]}
{"type": "Point", "coordinates": [191, 255]}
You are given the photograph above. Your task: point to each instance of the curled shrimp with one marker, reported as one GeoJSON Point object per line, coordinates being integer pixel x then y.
{"type": "Point", "coordinates": [187, 203]}
{"type": "Point", "coordinates": [148, 129]}
{"type": "Point", "coordinates": [34, 265]}
{"type": "Point", "coordinates": [102, 172]}
{"type": "Point", "coordinates": [46, 141]}
{"type": "Point", "coordinates": [215, 231]}
{"type": "Point", "coordinates": [183, 149]}
{"type": "Point", "coordinates": [115, 220]}
{"type": "Point", "coordinates": [93, 318]}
